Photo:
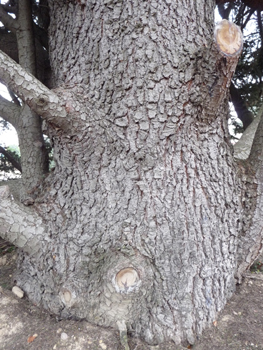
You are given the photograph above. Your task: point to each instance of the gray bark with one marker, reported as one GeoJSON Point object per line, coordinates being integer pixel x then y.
{"type": "Point", "coordinates": [27, 123]}
{"type": "Point", "coordinates": [143, 213]}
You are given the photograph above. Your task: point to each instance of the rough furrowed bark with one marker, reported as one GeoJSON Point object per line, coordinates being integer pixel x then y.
{"type": "Point", "coordinates": [143, 209]}
{"type": "Point", "coordinates": [19, 225]}
{"type": "Point", "coordinates": [251, 241]}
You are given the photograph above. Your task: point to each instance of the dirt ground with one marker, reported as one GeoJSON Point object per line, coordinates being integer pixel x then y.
{"type": "Point", "coordinates": [24, 326]}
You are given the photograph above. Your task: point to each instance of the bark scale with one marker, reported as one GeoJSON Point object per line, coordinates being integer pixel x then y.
{"type": "Point", "coordinates": [143, 211]}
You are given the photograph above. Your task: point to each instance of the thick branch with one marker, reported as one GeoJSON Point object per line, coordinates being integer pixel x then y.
{"type": "Point", "coordinates": [19, 225]}
{"type": "Point", "coordinates": [11, 159]}
{"type": "Point", "coordinates": [9, 111]}
{"type": "Point", "coordinates": [25, 37]}
{"type": "Point", "coordinates": [8, 21]}
{"type": "Point", "coordinates": [243, 147]}
{"type": "Point", "coordinates": [223, 59]}
{"type": "Point", "coordinates": [39, 98]}
{"type": "Point", "coordinates": [251, 242]}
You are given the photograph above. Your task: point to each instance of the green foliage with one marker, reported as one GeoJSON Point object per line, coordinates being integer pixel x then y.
{"type": "Point", "coordinates": [3, 124]}
{"type": "Point", "coordinates": [248, 77]}
{"type": "Point", "coordinates": [13, 151]}
{"type": "Point", "coordinates": [51, 163]}
{"type": "Point", "coordinates": [257, 267]}
{"type": "Point", "coordinates": [5, 164]}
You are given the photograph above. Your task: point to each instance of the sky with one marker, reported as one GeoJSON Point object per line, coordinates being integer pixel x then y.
{"type": "Point", "coordinates": [7, 137]}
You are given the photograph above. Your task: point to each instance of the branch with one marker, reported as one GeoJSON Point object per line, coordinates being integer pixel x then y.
{"type": "Point", "coordinates": [8, 21]}
{"type": "Point", "coordinates": [240, 107]}
{"type": "Point", "coordinates": [256, 155]}
{"type": "Point", "coordinates": [25, 37]}
{"type": "Point", "coordinates": [38, 97]}
{"type": "Point", "coordinates": [9, 8]}
{"type": "Point", "coordinates": [20, 225]}
{"type": "Point", "coordinates": [222, 60]}
{"type": "Point", "coordinates": [243, 147]}
{"type": "Point", "coordinates": [9, 111]}
{"type": "Point", "coordinates": [14, 97]}
{"type": "Point", "coordinates": [247, 19]}
{"type": "Point", "coordinates": [224, 13]}
{"type": "Point", "coordinates": [11, 159]}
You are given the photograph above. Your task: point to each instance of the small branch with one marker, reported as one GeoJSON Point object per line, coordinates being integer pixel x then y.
{"type": "Point", "coordinates": [248, 18]}
{"type": "Point", "coordinates": [11, 159]}
{"type": "Point", "coordinates": [14, 97]}
{"type": "Point", "coordinates": [38, 97]}
{"type": "Point", "coordinates": [8, 21]}
{"type": "Point", "coordinates": [9, 111]}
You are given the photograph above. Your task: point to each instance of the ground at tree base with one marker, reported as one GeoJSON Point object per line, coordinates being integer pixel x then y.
{"type": "Point", "coordinates": [238, 327]}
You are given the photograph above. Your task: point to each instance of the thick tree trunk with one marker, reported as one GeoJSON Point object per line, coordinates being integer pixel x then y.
{"type": "Point", "coordinates": [140, 220]}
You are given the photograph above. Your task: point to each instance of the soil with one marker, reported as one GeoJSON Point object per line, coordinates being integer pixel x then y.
{"type": "Point", "coordinates": [24, 326]}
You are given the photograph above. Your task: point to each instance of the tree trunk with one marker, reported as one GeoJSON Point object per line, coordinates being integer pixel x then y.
{"type": "Point", "coordinates": [141, 219]}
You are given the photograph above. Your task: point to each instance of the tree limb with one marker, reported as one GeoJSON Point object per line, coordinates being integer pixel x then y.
{"type": "Point", "coordinates": [9, 8]}
{"type": "Point", "coordinates": [14, 97]}
{"type": "Point", "coordinates": [38, 97]}
{"type": "Point", "coordinates": [256, 156]}
{"type": "Point", "coordinates": [9, 111]}
{"type": "Point", "coordinates": [226, 50]}
{"type": "Point", "coordinates": [250, 144]}
{"type": "Point", "coordinates": [20, 225]}
{"type": "Point", "coordinates": [11, 159]}
{"type": "Point", "coordinates": [25, 37]}
{"type": "Point", "coordinates": [8, 21]}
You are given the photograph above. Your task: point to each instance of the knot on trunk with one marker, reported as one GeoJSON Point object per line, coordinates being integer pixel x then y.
{"type": "Point", "coordinates": [229, 38]}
